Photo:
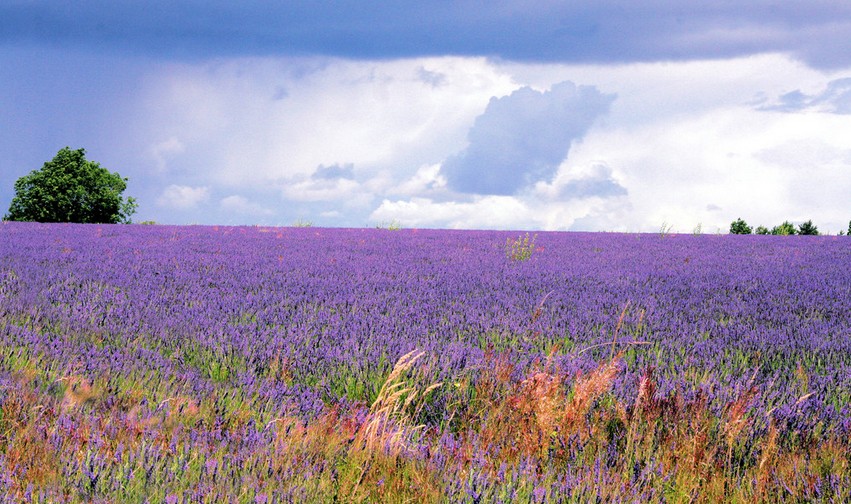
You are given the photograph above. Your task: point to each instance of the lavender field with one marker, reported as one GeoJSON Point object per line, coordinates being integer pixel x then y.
{"type": "Point", "coordinates": [249, 364]}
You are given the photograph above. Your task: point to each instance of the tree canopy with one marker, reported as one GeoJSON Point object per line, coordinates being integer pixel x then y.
{"type": "Point", "coordinates": [808, 228]}
{"type": "Point", "coordinates": [739, 226]}
{"type": "Point", "coordinates": [70, 188]}
{"type": "Point", "coordinates": [785, 229]}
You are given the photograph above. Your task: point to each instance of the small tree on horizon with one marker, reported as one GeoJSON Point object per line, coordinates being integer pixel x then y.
{"type": "Point", "coordinates": [762, 230]}
{"type": "Point", "coordinates": [785, 229]}
{"type": "Point", "coordinates": [739, 226]}
{"type": "Point", "coordinates": [808, 228]}
{"type": "Point", "coordinates": [70, 188]}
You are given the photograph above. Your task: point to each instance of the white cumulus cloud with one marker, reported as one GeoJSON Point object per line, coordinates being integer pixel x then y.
{"type": "Point", "coordinates": [182, 197]}
{"type": "Point", "coordinates": [241, 205]}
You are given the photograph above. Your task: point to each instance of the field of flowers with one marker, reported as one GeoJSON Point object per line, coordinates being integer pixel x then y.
{"type": "Point", "coordinates": [249, 364]}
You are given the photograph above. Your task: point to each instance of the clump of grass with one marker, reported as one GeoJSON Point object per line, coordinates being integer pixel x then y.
{"type": "Point", "coordinates": [388, 423]}
{"type": "Point", "coordinates": [520, 248]}
{"type": "Point", "coordinates": [393, 225]}
{"type": "Point", "coordinates": [78, 391]}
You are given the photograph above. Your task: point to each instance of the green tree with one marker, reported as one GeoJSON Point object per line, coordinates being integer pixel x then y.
{"type": "Point", "coordinates": [785, 229]}
{"type": "Point", "coordinates": [71, 189]}
{"type": "Point", "coordinates": [808, 228]}
{"type": "Point", "coordinates": [739, 226]}
{"type": "Point", "coordinates": [762, 230]}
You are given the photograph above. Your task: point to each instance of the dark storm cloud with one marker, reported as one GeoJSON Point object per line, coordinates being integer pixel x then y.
{"type": "Point", "coordinates": [607, 31]}
{"type": "Point", "coordinates": [521, 139]}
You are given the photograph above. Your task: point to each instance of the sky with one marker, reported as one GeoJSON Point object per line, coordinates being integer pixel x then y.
{"type": "Point", "coordinates": [601, 115]}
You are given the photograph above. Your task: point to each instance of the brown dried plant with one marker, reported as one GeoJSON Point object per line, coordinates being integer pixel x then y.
{"type": "Point", "coordinates": [735, 422]}
{"type": "Point", "coordinates": [182, 411]}
{"type": "Point", "coordinates": [586, 390]}
{"type": "Point", "coordinates": [735, 414]}
{"type": "Point", "coordinates": [766, 461]}
{"type": "Point", "coordinates": [78, 391]}
{"type": "Point", "coordinates": [545, 399]}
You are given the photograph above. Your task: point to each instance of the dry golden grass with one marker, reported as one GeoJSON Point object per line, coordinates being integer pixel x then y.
{"type": "Point", "coordinates": [542, 427]}
{"type": "Point", "coordinates": [78, 391]}
{"type": "Point", "coordinates": [387, 425]}
{"type": "Point", "coordinates": [586, 390]}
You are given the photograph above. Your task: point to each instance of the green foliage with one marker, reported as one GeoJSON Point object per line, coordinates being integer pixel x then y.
{"type": "Point", "coordinates": [762, 230]}
{"type": "Point", "coordinates": [808, 228]}
{"type": "Point", "coordinates": [739, 226]}
{"type": "Point", "coordinates": [521, 248]}
{"type": "Point", "coordinates": [785, 229]}
{"type": "Point", "coordinates": [303, 223]}
{"type": "Point", "coordinates": [71, 189]}
{"type": "Point", "coordinates": [665, 229]}
{"type": "Point", "coordinates": [393, 225]}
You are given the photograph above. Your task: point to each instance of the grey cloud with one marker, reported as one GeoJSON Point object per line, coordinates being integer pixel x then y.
{"type": "Point", "coordinates": [599, 183]}
{"type": "Point", "coordinates": [281, 93]}
{"type": "Point", "coordinates": [835, 99]}
{"type": "Point", "coordinates": [434, 79]}
{"type": "Point", "coordinates": [521, 139]}
{"type": "Point", "coordinates": [333, 172]}
{"type": "Point", "coordinates": [598, 31]}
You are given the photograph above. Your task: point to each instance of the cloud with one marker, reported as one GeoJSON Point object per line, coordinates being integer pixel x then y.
{"type": "Point", "coordinates": [340, 190]}
{"type": "Point", "coordinates": [585, 31]}
{"type": "Point", "coordinates": [183, 197]}
{"type": "Point", "coordinates": [522, 138]}
{"type": "Point", "coordinates": [834, 99]}
{"type": "Point", "coordinates": [241, 205]}
{"type": "Point", "coordinates": [506, 212]}
{"type": "Point", "coordinates": [427, 180]}
{"type": "Point", "coordinates": [335, 171]}
{"type": "Point", "coordinates": [373, 115]}
{"type": "Point", "coordinates": [681, 142]}
{"type": "Point", "coordinates": [578, 198]}
{"type": "Point", "coordinates": [162, 151]}
{"type": "Point", "coordinates": [595, 180]}
{"type": "Point", "coordinates": [501, 212]}
{"type": "Point", "coordinates": [434, 79]}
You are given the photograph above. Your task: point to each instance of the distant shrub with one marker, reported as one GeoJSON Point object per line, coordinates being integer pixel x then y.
{"type": "Point", "coordinates": [739, 226]}
{"type": "Point", "coordinates": [521, 248]}
{"type": "Point", "coordinates": [808, 228]}
{"type": "Point", "coordinates": [785, 229]}
{"type": "Point", "coordinates": [393, 225]}
{"type": "Point", "coordinates": [302, 223]}
{"type": "Point", "coordinates": [762, 230]}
